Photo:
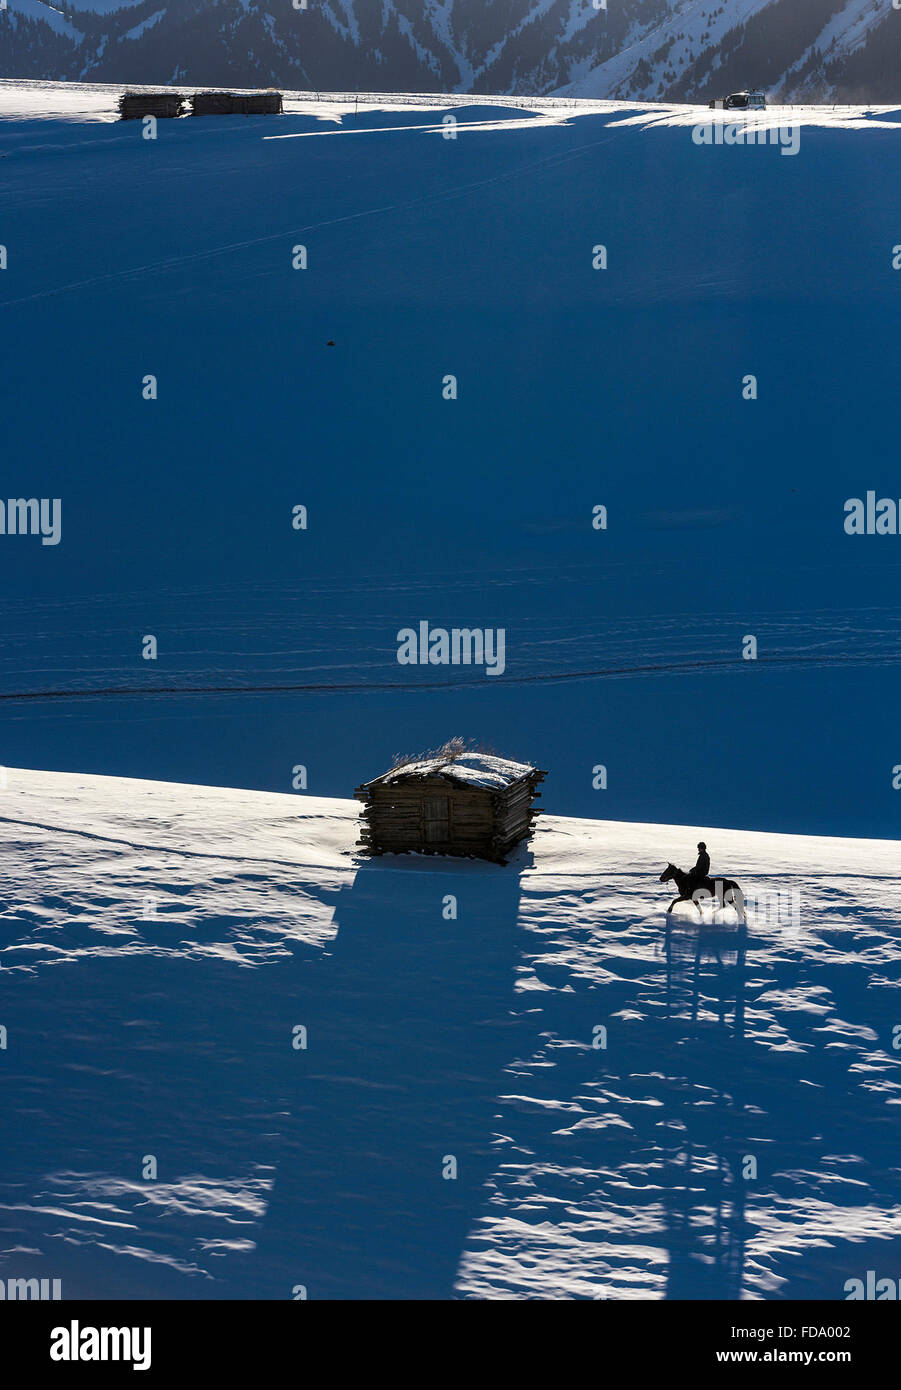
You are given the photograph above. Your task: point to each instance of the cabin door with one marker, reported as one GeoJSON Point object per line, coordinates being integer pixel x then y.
{"type": "Point", "coordinates": [435, 819]}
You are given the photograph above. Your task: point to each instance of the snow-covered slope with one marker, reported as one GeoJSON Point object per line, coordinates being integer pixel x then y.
{"type": "Point", "coordinates": [623, 646]}
{"type": "Point", "coordinates": [160, 945]}
{"type": "Point", "coordinates": [647, 49]}
{"type": "Point", "coordinates": [42, 13]}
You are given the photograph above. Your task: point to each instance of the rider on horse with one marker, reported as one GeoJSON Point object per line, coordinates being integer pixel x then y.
{"type": "Point", "coordinates": [724, 889]}
{"type": "Point", "coordinates": [700, 874]}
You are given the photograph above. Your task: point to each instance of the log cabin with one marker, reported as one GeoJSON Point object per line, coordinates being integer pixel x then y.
{"type": "Point", "coordinates": [134, 106]}
{"type": "Point", "coordinates": [267, 103]}
{"type": "Point", "coordinates": [459, 803]}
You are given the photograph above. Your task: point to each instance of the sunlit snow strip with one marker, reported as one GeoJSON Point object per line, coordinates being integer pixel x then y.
{"type": "Point", "coordinates": [459, 127]}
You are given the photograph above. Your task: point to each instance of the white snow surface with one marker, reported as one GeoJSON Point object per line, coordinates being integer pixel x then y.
{"type": "Point", "coordinates": [163, 932]}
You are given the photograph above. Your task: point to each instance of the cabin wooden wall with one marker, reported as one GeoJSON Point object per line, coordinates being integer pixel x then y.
{"type": "Point", "coordinates": [134, 106]}
{"type": "Point", "coordinates": [435, 816]}
{"type": "Point", "coordinates": [430, 814]}
{"type": "Point", "coordinates": [236, 103]}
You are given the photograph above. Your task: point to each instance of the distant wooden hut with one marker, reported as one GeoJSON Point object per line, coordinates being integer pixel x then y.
{"type": "Point", "coordinates": [459, 803]}
{"type": "Point", "coordinates": [134, 106]}
{"type": "Point", "coordinates": [268, 103]}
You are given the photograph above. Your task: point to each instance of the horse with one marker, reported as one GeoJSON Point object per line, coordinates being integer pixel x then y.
{"type": "Point", "coordinates": [687, 887]}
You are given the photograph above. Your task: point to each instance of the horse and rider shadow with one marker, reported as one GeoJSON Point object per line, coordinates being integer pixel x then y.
{"type": "Point", "coordinates": [388, 1107]}
{"type": "Point", "coordinates": [705, 1136]}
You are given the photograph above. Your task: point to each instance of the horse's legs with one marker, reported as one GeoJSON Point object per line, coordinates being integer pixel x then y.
{"type": "Point", "coordinates": [737, 901]}
{"type": "Point", "coordinates": [673, 904]}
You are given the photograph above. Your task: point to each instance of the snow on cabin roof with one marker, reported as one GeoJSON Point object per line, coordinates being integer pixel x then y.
{"type": "Point", "coordinates": [468, 769]}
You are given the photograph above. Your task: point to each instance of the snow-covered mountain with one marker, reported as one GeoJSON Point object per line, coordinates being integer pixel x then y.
{"type": "Point", "coordinates": [648, 49]}
{"type": "Point", "coordinates": [161, 945]}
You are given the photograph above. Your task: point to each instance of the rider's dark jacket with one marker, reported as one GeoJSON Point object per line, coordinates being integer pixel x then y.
{"type": "Point", "coordinates": [701, 870]}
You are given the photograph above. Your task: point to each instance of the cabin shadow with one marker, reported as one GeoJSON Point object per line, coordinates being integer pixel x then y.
{"type": "Point", "coordinates": [389, 1138]}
